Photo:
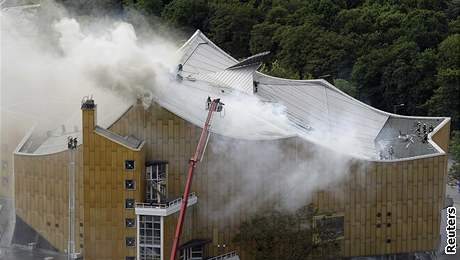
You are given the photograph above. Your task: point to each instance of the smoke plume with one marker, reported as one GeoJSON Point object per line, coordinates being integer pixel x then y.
{"type": "Point", "coordinates": [50, 60]}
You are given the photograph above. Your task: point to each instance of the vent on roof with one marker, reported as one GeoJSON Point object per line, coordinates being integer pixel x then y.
{"type": "Point", "coordinates": [255, 59]}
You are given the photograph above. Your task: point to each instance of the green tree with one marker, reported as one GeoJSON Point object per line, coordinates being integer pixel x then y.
{"type": "Point", "coordinates": [346, 87]}
{"type": "Point", "coordinates": [262, 38]}
{"type": "Point", "coordinates": [454, 26]}
{"type": "Point", "coordinates": [395, 74]}
{"type": "Point", "coordinates": [446, 99]}
{"type": "Point", "coordinates": [308, 49]}
{"type": "Point", "coordinates": [231, 25]}
{"type": "Point", "coordinates": [95, 8]}
{"type": "Point", "coordinates": [426, 28]}
{"type": "Point", "coordinates": [188, 15]}
{"type": "Point", "coordinates": [146, 7]}
{"type": "Point", "coordinates": [276, 70]}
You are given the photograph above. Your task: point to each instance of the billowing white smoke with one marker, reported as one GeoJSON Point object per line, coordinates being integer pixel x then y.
{"type": "Point", "coordinates": [114, 58]}
{"type": "Point", "coordinates": [48, 65]}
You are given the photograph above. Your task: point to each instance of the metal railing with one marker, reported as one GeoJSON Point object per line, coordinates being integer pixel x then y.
{"type": "Point", "coordinates": [163, 205]}
{"type": "Point", "coordinates": [224, 256]}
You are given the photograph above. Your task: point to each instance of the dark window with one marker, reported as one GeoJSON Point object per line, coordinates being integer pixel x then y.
{"type": "Point", "coordinates": [130, 222]}
{"type": "Point", "coordinates": [48, 223]}
{"type": "Point", "coordinates": [130, 258]}
{"type": "Point", "coordinates": [81, 245]}
{"type": "Point", "coordinates": [388, 224]}
{"type": "Point", "coordinates": [129, 164]}
{"type": "Point", "coordinates": [379, 215]}
{"type": "Point", "coordinates": [56, 225]}
{"type": "Point", "coordinates": [130, 184]}
{"type": "Point", "coordinates": [389, 214]}
{"type": "Point", "coordinates": [81, 235]}
{"type": "Point", "coordinates": [129, 203]}
{"type": "Point", "coordinates": [378, 225]}
{"type": "Point", "coordinates": [388, 241]}
{"type": "Point", "coordinates": [195, 252]}
{"type": "Point", "coordinates": [81, 224]}
{"type": "Point", "coordinates": [130, 241]}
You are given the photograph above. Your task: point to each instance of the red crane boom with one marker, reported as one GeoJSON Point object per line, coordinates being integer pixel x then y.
{"type": "Point", "coordinates": [213, 106]}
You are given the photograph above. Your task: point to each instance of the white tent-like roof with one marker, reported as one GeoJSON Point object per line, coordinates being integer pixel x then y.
{"type": "Point", "coordinates": [262, 107]}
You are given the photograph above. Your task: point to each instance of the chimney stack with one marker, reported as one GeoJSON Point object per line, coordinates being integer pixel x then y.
{"type": "Point", "coordinates": [89, 117]}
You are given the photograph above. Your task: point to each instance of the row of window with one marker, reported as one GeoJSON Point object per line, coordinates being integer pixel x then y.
{"type": "Point", "coordinates": [129, 204]}
{"type": "Point", "coordinates": [149, 226]}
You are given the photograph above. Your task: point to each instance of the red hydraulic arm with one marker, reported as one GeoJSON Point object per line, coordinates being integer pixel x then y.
{"type": "Point", "coordinates": [213, 106]}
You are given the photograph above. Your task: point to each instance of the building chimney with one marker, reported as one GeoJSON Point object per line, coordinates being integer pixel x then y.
{"type": "Point", "coordinates": [88, 103]}
{"type": "Point", "coordinates": [89, 117]}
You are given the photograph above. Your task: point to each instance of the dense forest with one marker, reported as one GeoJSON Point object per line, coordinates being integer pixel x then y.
{"type": "Point", "coordinates": [383, 52]}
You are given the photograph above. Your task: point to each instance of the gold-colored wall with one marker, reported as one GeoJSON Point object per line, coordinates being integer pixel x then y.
{"type": "Point", "coordinates": [105, 193]}
{"type": "Point", "coordinates": [409, 196]}
{"type": "Point", "coordinates": [41, 195]}
{"type": "Point", "coordinates": [413, 190]}
{"type": "Point", "coordinates": [167, 137]}
{"type": "Point", "coordinates": [442, 137]}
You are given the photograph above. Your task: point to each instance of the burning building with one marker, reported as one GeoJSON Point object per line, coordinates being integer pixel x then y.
{"type": "Point", "coordinates": [376, 179]}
